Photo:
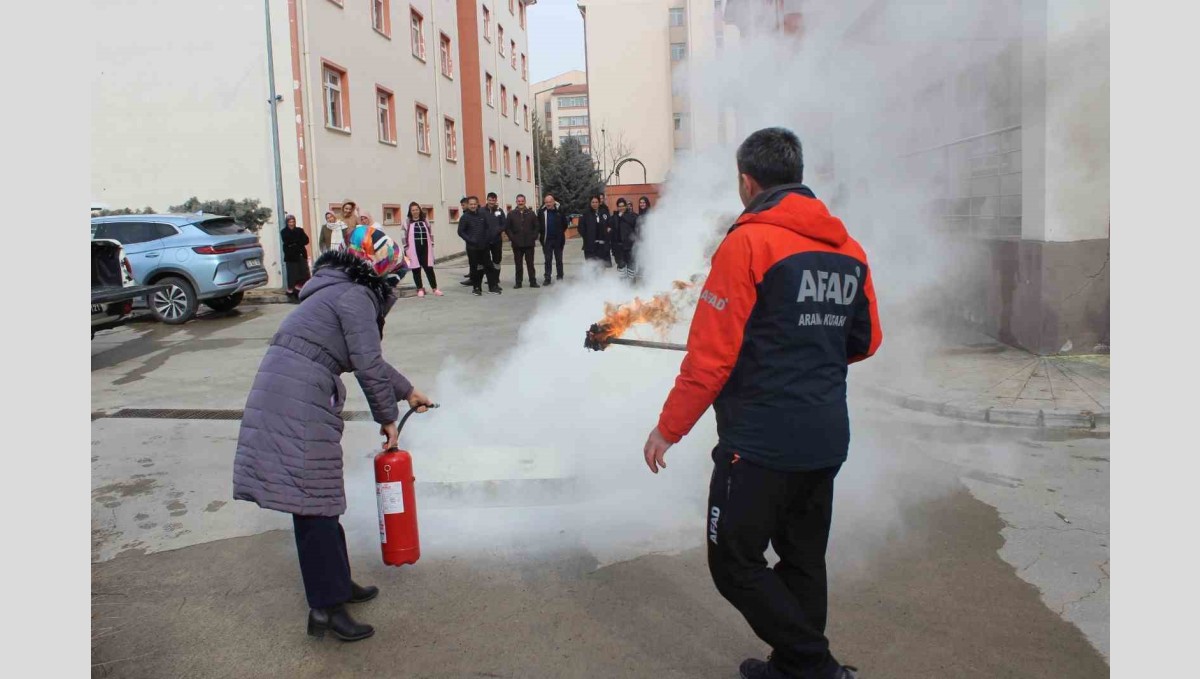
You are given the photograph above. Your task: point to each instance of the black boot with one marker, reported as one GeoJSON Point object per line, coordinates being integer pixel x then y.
{"type": "Point", "coordinates": [518, 286]}
{"type": "Point", "coordinates": [533, 283]}
{"type": "Point", "coordinates": [359, 594]}
{"type": "Point", "coordinates": [338, 621]}
{"type": "Point", "coordinates": [547, 281]}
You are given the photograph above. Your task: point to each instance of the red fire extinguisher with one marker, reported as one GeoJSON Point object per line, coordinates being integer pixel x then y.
{"type": "Point", "coordinates": [397, 504]}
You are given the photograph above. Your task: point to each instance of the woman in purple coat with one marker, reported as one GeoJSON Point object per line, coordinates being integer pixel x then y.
{"type": "Point", "coordinates": [289, 452]}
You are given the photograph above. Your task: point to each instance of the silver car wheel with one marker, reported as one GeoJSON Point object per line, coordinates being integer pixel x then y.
{"type": "Point", "coordinates": [171, 303]}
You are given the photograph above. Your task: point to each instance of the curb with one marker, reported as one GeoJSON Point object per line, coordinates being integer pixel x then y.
{"type": "Point", "coordinates": [274, 297]}
{"type": "Point", "coordinates": [1015, 417]}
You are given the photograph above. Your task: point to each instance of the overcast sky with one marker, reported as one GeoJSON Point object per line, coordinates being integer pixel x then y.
{"type": "Point", "coordinates": [555, 39]}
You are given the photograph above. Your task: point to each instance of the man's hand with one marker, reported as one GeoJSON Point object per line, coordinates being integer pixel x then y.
{"type": "Point", "coordinates": [419, 401]}
{"type": "Point", "coordinates": [656, 448]}
{"type": "Point", "coordinates": [389, 432]}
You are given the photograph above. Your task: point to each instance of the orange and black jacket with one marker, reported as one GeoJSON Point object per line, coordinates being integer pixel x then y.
{"type": "Point", "coordinates": [788, 304]}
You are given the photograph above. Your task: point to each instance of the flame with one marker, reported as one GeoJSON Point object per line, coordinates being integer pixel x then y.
{"type": "Point", "coordinates": [660, 311]}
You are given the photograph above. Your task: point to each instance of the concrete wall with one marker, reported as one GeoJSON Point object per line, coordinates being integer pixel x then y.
{"type": "Point", "coordinates": [356, 164]}
{"type": "Point", "coordinates": [506, 130]}
{"type": "Point", "coordinates": [179, 105]}
{"type": "Point", "coordinates": [638, 73]}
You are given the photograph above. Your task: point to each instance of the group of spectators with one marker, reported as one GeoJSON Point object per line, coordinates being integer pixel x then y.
{"type": "Point", "coordinates": [607, 236]}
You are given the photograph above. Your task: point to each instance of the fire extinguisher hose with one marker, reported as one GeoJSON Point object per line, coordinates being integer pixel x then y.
{"type": "Point", "coordinates": [400, 427]}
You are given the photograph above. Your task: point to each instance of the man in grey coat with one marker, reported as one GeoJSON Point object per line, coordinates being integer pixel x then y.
{"type": "Point", "coordinates": [289, 453]}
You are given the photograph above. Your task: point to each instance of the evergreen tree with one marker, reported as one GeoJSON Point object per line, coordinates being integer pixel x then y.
{"type": "Point", "coordinates": [572, 177]}
{"type": "Point", "coordinates": [246, 212]}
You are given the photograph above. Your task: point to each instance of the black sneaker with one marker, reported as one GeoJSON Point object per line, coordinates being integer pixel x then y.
{"type": "Point", "coordinates": [476, 291]}
{"type": "Point", "coordinates": [534, 284]}
{"type": "Point", "coordinates": [560, 278]}
{"type": "Point", "coordinates": [465, 282]}
{"type": "Point", "coordinates": [517, 286]}
{"type": "Point", "coordinates": [547, 281]}
{"type": "Point", "coordinates": [753, 668]}
{"type": "Point", "coordinates": [494, 291]}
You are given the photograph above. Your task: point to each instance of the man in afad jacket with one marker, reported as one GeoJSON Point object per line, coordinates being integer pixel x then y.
{"type": "Point", "coordinates": [552, 234]}
{"type": "Point", "coordinates": [788, 304]}
{"type": "Point", "coordinates": [522, 230]}
{"type": "Point", "coordinates": [496, 218]}
{"type": "Point", "coordinates": [477, 233]}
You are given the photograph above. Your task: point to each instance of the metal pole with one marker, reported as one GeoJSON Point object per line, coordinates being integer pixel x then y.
{"type": "Point", "coordinates": [273, 102]}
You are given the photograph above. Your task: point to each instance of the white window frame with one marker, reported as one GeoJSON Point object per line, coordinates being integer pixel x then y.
{"type": "Point", "coordinates": [487, 23]}
{"type": "Point", "coordinates": [682, 49]}
{"type": "Point", "coordinates": [379, 10]}
{"type": "Point", "coordinates": [446, 54]}
{"type": "Point", "coordinates": [421, 114]}
{"type": "Point", "coordinates": [383, 111]}
{"type": "Point", "coordinates": [489, 83]}
{"type": "Point", "coordinates": [676, 14]}
{"type": "Point", "coordinates": [333, 99]}
{"type": "Point", "coordinates": [500, 38]}
{"type": "Point", "coordinates": [450, 132]}
{"type": "Point", "coordinates": [416, 32]}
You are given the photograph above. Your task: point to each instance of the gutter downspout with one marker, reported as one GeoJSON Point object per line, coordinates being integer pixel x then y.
{"type": "Point", "coordinates": [437, 105]}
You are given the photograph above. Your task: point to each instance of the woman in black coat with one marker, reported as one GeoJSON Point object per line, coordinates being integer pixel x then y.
{"type": "Point", "coordinates": [295, 256]}
{"type": "Point", "coordinates": [593, 225]}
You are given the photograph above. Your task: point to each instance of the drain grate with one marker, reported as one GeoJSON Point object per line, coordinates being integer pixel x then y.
{"type": "Point", "coordinates": [203, 414]}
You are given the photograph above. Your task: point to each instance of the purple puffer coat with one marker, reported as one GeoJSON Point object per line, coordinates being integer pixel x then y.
{"type": "Point", "coordinates": [289, 452]}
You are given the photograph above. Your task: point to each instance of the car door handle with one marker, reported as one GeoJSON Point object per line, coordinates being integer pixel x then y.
{"type": "Point", "coordinates": [151, 254]}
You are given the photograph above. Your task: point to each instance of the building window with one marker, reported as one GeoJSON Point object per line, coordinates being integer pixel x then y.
{"type": "Point", "coordinates": [521, 13]}
{"type": "Point", "coordinates": [381, 16]}
{"type": "Point", "coordinates": [573, 121]}
{"type": "Point", "coordinates": [515, 121]}
{"type": "Point", "coordinates": [391, 214]}
{"type": "Point", "coordinates": [572, 102]}
{"type": "Point", "coordinates": [422, 129]}
{"type": "Point", "coordinates": [677, 16]}
{"type": "Point", "coordinates": [500, 39]}
{"type": "Point", "coordinates": [518, 165]}
{"type": "Point", "coordinates": [454, 214]}
{"type": "Point", "coordinates": [528, 164]}
{"type": "Point", "coordinates": [678, 51]}
{"type": "Point", "coordinates": [512, 53]}
{"type": "Point", "coordinates": [418, 35]}
{"type": "Point", "coordinates": [507, 163]}
{"type": "Point", "coordinates": [524, 66]}
{"type": "Point", "coordinates": [447, 57]}
{"type": "Point", "coordinates": [511, 9]}
{"type": "Point", "coordinates": [680, 120]}
{"type": "Point", "coordinates": [504, 101]}
{"type": "Point", "coordinates": [386, 115]}
{"type": "Point", "coordinates": [526, 110]}
{"type": "Point", "coordinates": [491, 90]}
{"type": "Point", "coordinates": [337, 97]}
{"type": "Point", "coordinates": [492, 155]}
{"type": "Point", "coordinates": [487, 24]}
{"type": "Point", "coordinates": [451, 140]}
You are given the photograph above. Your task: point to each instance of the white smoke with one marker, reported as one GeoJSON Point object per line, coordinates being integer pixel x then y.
{"type": "Point", "coordinates": [848, 92]}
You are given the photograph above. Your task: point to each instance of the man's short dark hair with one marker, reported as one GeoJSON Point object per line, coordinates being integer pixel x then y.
{"type": "Point", "coordinates": [492, 194]}
{"type": "Point", "coordinates": [463, 200]}
{"type": "Point", "coordinates": [471, 198]}
{"type": "Point", "coordinates": [772, 156]}
{"type": "Point", "coordinates": [520, 195]}
{"type": "Point", "coordinates": [548, 195]}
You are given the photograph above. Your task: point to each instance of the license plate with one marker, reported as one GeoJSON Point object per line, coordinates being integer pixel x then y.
{"type": "Point", "coordinates": [97, 308]}
{"type": "Point", "coordinates": [253, 263]}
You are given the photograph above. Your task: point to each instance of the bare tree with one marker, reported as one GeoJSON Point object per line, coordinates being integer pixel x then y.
{"type": "Point", "coordinates": [612, 150]}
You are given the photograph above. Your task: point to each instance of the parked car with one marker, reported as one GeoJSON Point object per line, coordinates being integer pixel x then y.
{"type": "Point", "coordinates": [113, 286]}
{"type": "Point", "coordinates": [197, 258]}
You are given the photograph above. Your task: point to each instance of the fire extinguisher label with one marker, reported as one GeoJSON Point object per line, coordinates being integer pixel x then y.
{"type": "Point", "coordinates": [391, 497]}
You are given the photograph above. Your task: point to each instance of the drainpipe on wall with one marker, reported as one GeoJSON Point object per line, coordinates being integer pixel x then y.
{"type": "Point", "coordinates": [273, 103]}
{"type": "Point", "coordinates": [314, 194]}
{"type": "Point", "coordinates": [437, 105]}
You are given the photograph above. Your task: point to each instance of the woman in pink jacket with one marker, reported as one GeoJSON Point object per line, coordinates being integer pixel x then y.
{"type": "Point", "coordinates": [418, 246]}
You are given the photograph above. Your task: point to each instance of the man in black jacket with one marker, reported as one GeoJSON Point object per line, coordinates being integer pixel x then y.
{"type": "Point", "coordinates": [522, 230]}
{"type": "Point", "coordinates": [496, 213]}
{"type": "Point", "coordinates": [552, 234]}
{"type": "Point", "coordinates": [476, 231]}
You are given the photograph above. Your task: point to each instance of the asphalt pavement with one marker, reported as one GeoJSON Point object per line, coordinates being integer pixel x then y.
{"type": "Point", "coordinates": [959, 549]}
